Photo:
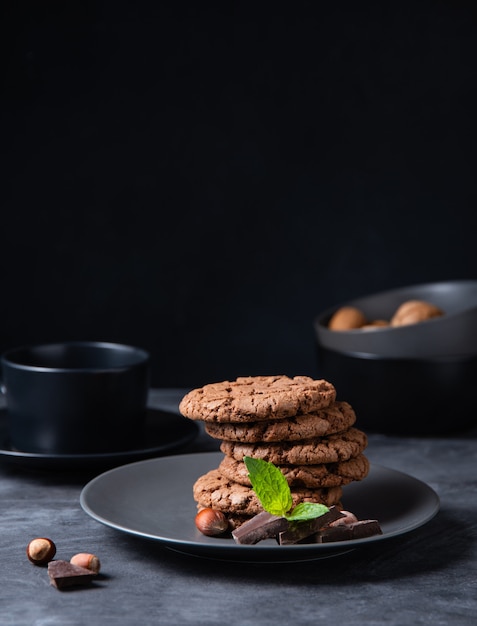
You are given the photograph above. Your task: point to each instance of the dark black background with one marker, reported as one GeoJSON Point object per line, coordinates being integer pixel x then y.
{"type": "Point", "coordinates": [201, 179]}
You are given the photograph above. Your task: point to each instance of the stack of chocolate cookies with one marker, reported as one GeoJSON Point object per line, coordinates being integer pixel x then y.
{"type": "Point", "coordinates": [295, 423]}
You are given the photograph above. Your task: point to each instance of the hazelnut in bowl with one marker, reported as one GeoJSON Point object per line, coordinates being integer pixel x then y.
{"type": "Point", "coordinates": [416, 378]}
{"type": "Point", "coordinates": [432, 319]}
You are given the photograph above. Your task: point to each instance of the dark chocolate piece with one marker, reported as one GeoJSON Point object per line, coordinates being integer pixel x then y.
{"type": "Point", "coordinates": [300, 531]}
{"type": "Point", "coordinates": [356, 530]}
{"type": "Point", "coordinates": [64, 574]}
{"type": "Point", "coordinates": [262, 526]}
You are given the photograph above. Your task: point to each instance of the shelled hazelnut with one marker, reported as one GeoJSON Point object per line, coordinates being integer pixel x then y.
{"type": "Point", "coordinates": [86, 560]}
{"type": "Point", "coordinates": [347, 318]}
{"type": "Point", "coordinates": [409, 312]}
{"type": "Point", "coordinates": [41, 551]}
{"type": "Point", "coordinates": [415, 311]}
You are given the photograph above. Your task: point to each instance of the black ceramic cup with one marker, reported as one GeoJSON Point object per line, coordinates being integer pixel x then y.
{"type": "Point", "coordinates": [75, 397]}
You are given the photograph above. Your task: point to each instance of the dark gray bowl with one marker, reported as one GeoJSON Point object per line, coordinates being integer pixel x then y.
{"type": "Point", "coordinates": [404, 395]}
{"type": "Point", "coordinates": [453, 333]}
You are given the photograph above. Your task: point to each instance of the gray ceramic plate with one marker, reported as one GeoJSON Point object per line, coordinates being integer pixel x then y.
{"type": "Point", "coordinates": [153, 499]}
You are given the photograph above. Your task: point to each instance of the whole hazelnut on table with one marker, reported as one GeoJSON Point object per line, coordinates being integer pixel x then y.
{"type": "Point", "coordinates": [211, 522]}
{"type": "Point", "coordinates": [41, 551]}
{"type": "Point", "coordinates": [86, 560]}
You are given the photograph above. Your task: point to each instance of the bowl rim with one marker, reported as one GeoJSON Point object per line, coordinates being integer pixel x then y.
{"type": "Point", "coordinates": [321, 319]}
{"type": "Point", "coordinates": [452, 334]}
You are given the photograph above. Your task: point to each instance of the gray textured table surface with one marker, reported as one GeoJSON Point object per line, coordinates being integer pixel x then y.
{"type": "Point", "coordinates": [428, 576]}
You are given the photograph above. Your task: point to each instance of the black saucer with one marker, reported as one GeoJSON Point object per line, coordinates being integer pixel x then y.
{"type": "Point", "coordinates": [164, 433]}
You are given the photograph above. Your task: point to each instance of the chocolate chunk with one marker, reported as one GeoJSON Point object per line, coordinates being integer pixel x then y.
{"type": "Point", "coordinates": [261, 526]}
{"type": "Point", "coordinates": [300, 531]}
{"type": "Point", "coordinates": [356, 530]}
{"type": "Point", "coordinates": [64, 574]}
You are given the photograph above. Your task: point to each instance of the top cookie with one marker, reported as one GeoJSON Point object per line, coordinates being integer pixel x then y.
{"type": "Point", "coordinates": [256, 398]}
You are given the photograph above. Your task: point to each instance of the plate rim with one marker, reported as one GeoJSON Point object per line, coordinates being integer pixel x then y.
{"type": "Point", "coordinates": [264, 548]}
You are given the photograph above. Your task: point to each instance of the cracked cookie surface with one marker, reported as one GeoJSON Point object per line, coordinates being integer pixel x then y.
{"type": "Point", "coordinates": [257, 398]}
{"type": "Point", "coordinates": [332, 449]}
{"type": "Point", "coordinates": [311, 476]}
{"type": "Point", "coordinates": [218, 492]}
{"type": "Point", "coordinates": [334, 419]}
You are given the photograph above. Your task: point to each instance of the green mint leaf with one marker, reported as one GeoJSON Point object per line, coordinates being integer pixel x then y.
{"type": "Point", "coordinates": [306, 511]}
{"type": "Point", "coordinates": [270, 486]}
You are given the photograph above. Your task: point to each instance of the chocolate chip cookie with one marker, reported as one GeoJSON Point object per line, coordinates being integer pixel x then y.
{"type": "Point", "coordinates": [332, 449]}
{"type": "Point", "coordinates": [214, 490]}
{"type": "Point", "coordinates": [334, 419]}
{"type": "Point", "coordinates": [310, 476]}
{"type": "Point", "coordinates": [257, 398]}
